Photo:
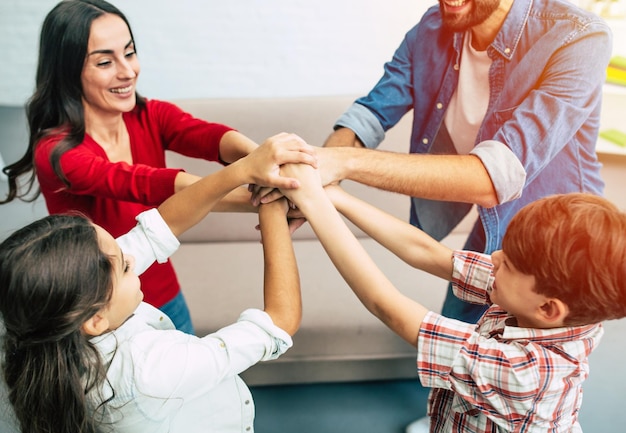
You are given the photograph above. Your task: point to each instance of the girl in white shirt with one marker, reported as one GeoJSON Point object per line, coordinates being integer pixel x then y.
{"type": "Point", "coordinates": [82, 353]}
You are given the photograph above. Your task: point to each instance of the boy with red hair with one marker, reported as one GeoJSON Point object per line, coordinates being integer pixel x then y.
{"type": "Point", "coordinates": [560, 273]}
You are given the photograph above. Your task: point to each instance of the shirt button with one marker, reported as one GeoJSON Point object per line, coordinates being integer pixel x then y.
{"type": "Point", "coordinates": [161, 318]}
{"type": "Point", "coordinates": [425, 140]}
{"type": "Point", "coordinates": [439, 105]}
{"type": "Point", "coordinates": [456, 67]}
{"type": "Point", "coordinates": [247, 402]}
{"type": "Point", "coordinates": [507, 50]}
{"type": "Point", "coordinates": [248, 428]}
{"type": "Point", "coordinates": [222, 345]}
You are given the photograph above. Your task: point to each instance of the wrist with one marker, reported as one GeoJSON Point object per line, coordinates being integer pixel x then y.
{"type": "Point", "coordinates": [276, 207]}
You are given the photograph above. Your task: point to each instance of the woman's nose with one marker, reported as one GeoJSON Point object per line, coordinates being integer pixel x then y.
{"type": "Point", "coordinates": [126, 69]}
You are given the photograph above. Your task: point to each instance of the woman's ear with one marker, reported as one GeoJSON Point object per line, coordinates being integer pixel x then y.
{"type": "Point", "coordinates": [96, 325]}
{"type": "Point", "coordinates": [553, 312]}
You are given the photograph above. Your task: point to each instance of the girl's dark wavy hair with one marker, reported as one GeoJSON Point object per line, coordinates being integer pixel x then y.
{"type": "Point", "coordinates": [56, 105]}
{"type": "Point", "coordinates": [53, 278]}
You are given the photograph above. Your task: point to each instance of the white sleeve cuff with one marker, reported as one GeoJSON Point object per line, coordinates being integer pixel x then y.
{"type": "Point", "coordinates": [151, 239]}
{"type": "Point", "coordinates": [505, 169]}
{"type": "Point", "coordinates": [281, 339]}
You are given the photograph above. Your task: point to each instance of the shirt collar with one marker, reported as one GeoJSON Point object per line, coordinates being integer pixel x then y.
{"type": "Point", "coordinates": [510, 33]}
{"type": "Point", "coordinates": [552, 335]}
{"type": "Point", "coordinates": [504, 328]}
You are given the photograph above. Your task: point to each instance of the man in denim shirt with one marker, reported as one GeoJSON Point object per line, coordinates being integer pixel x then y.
{"type": "Point", "coordinates": [506, 98]}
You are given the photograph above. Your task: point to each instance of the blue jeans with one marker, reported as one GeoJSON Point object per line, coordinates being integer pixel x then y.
{"type": "Point", "coordinates": [455, 308]}
{"type": "Point", "coordinates": [177, 310]}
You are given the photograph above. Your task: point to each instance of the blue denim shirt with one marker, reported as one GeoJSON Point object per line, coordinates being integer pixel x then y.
{"type": "Point", "coordinates": [548, 66]}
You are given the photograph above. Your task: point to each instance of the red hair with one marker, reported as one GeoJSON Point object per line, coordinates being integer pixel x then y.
{"type": "Point", "coordinates": [575, 247]}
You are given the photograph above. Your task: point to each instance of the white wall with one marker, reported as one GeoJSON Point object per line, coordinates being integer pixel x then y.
{"type": "Point", "coordinates": [236, 48]}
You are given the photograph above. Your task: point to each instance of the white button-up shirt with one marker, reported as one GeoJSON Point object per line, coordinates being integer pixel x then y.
{"type": "Point", "coordinates": [162, 380]}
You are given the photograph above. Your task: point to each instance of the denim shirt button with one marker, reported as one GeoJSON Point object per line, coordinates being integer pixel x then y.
{"type": "Point", "coordinates": [439, 105]}
{"type": "Point", "coordinates": [425, 140]}
{"type": "Point", "coordinates": [507, 51]}
{"type": "Point", "coordinates": [456, 67]}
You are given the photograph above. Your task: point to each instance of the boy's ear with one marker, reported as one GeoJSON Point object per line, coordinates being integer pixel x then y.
{"type": "Point", "coordinates": [553, 311]}
{"type": "Point", "coordinates": [95, 325]}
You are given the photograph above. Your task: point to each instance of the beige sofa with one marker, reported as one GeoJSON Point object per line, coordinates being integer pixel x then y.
{"type": "Point", "coordinates": [220, 261]}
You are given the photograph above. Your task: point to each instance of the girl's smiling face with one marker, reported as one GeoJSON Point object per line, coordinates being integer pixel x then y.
{"type": "Point", "coordinates": [111, 68]}
{"type": "Point", "coordinates": [127, 294]}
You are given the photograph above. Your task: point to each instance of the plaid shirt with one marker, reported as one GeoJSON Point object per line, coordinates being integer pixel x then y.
{"type": "Point", "coordinates": [494, 376]}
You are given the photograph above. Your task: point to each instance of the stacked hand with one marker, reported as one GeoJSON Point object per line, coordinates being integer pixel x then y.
{"type": "Point", "coordinates": [263, 165]}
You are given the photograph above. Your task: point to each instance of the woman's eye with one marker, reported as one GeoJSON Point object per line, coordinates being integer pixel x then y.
{"type": "Point", "coordinates": [130, 53]}
{"type": "Point", "coordinates": [126, 266]}
{"type": "Point", "coordinates": [104, 63]}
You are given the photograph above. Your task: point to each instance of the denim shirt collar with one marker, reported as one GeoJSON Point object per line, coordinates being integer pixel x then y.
{"type": "Point", "coordinates": [508, 37]}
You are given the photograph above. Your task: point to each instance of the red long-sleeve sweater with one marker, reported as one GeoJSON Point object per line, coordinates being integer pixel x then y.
{"type": "Point", "coordinates": [113, 193]}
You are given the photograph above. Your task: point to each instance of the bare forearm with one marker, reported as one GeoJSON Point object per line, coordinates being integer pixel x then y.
{"type": "Point", "coordinates": [401, 314]}
{"type": "Point", "coordinates": [404, 240]}
{"type": "Point", "coordinates": [234, 145]}
{"type": "Point", "coordinates": [343, 137]}
{"type": "Point", "coordinates": [187, 207]}
{"type": "Point", "coordinates": [237, 200]}
{"type": "Point", "coordinates": [183, 180]}
{"type": "Point", "coordinates": [460, 178]}
{"type": "Point", "coordinates": [281, 280]}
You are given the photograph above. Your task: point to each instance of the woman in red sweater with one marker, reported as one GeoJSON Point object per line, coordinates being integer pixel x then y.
{"type": "Point", "coordinates": [98, 147]}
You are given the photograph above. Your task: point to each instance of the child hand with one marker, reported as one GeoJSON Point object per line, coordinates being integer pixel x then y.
{"type": "Point", "coordinates": [309, 179]}
{"type": "Point", "coordinates": [330, 163]}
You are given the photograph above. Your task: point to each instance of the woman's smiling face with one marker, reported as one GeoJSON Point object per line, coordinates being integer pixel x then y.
{"type": "Point", "coordinates": [111, 68]}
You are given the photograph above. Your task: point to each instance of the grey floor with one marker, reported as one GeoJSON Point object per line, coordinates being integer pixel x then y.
{"type": "Point", "coordinates": [361, 407]}
{"type": "Point", "coordinates": [372, 407]}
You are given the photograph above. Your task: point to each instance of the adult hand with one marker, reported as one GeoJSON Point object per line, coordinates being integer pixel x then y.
{"type": "Point", "coordinates": [263, 164]}
{"type": "Point", "coordinates": [331, 162]}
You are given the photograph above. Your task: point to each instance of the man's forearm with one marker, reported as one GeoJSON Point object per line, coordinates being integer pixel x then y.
{"type": "Point", "coordinates": [343, 137]}
{"type": "Point", "coordinates": [458, 178]}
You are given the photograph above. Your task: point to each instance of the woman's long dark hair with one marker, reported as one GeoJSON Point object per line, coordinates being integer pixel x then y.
{"type": "Point", "coordinates": [53, 278]}
{"type": "Point", "coordinates": [56, 105]}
